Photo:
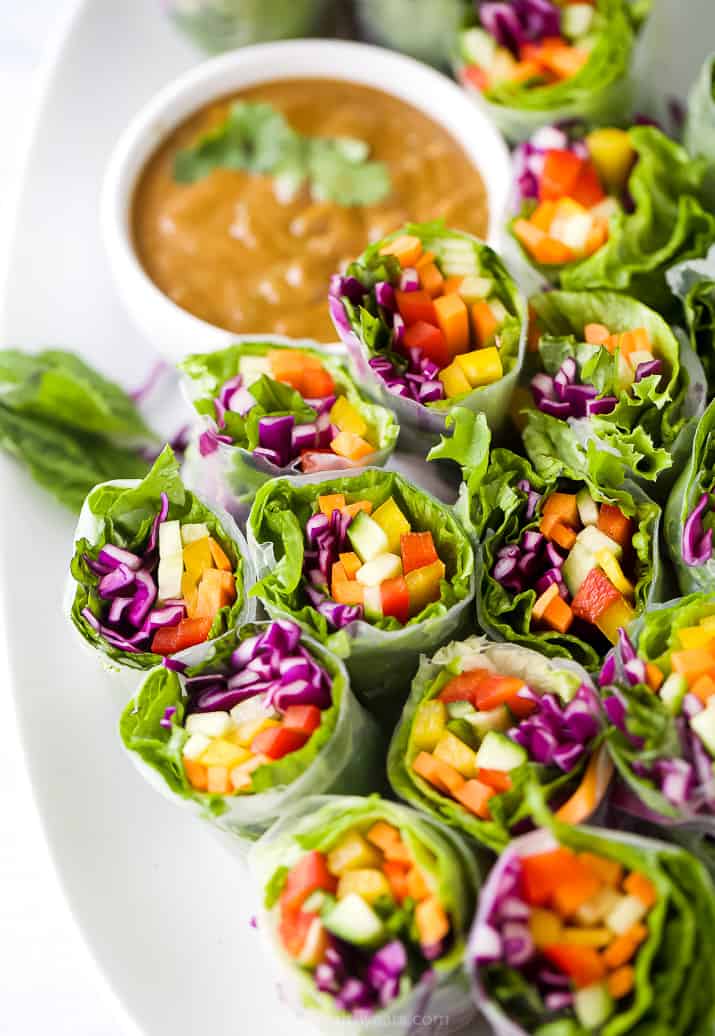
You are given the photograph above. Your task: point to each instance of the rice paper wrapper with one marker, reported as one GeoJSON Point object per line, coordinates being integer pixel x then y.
{"type": "Point", "coordinates": [441, 1001]}
{"type": "Point", "coordinates": [124, 672]}
{"type": "Point", "coordinates": [229, 474]}
{"type": "Point", "coordinates": [699, 131]}
{"type": "Point", "coordinates": [693, 282]}
{"type": "Point", "coordinates": [381, 663]}
{"type": "Point", "coordinates": [559, 676]}
{"type": "Point", "coordinates": [673, 966]}
{"type": "Point", "coordinates": [421, 426]}
{"type": "Point", "coordinates": [349, 762]}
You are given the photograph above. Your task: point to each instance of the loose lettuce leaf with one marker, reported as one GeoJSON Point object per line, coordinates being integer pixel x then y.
{"type": "Point", "coordinates": [323, 764]}
{"type": "Point", "coordinates": [381, 656]}
{"type": "Point", "coordinates": [696, 478]}
{"type": "Point", "coordinates": [648, 434]}
{"type": "Point", "coordinates": [670, 222]}
{"type": "Point", "coordinates": [508, 810]}
{"type": "Point", "coordinates": [123, 514]}
{"type": "Point", "coordinates": [318, 824]}
{"type": "Point", "coordinates": [68, 424]}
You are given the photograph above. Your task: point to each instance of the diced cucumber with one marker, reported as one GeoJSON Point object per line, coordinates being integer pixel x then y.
{"type": "Point", "coordinates": [319, 901]}
{"type": "Point", "coordinates": [372, 603]}
{"type": "Point", "coordinates": [353, 920]}
{"type": "Point", "coordinates": [593, 1005]}
{"type": "Point", "coordinates": [478, 47]}
{"type": "Point", "coordinates": [253, 367]}
{"type": "Point", "coordinates": [473, 289]}
{"type": "Point", "coordinates": [498, 752]}
{"type": "Point", "coordinates": [594, 540]}
{"type": "Point", "coordinates": [171, 571]}
{"type": "Point", "coordinates": [367, 538]}
{"type": "Point", "coordinates": [459, 709]}
{"type": "Point", "coordinates": [465, 732]}
{"type": "Point", "coordinates": [386, 566]}
{"type": "Point", "coordinates": [195, 746]}
{"type": "Point", "coordinates": [457, 258]}
{"type": "Point", "coordinates": [639, 356]}
{"type": "Point", "coordinates": [587, 507]}
{"type": "Point", "coordinates": [211, 724]}
{"type": "Point", "coordinates": [498, 309]}
{"type": "Point", "coordinates": [704, 726]}
{"type": "Point", "coordinates": [576, 20]}
{"type": "Point", "coordinates": [193, 531]}
{"type": "Point", "coordinates": [673, 691]}
{"type": "Point", "coordinates": [491, 719]}
{"type": "Point", "coordinates": [627, 912]}
{"type": "Point", "coordinates": [169, 539]}
{"type": "Point", "coordinates": [577, 566]}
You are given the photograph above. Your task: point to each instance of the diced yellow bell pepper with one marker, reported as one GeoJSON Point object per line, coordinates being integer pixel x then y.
{"type": "Point", "coordinates": [353, 447]}
{"type": "Point", "coordinates": [618, 614]}
{"type": "Point", "coordinates": [423, 585]}
{"type": "Point", "coordinates": [353, 852]}
{"type": "Point", "coordinates": [614, 572]}
{"type": "Point", "coordinates": [454, 380]}
{"type": "Point", "coordinates": [367, 882]}
{"type": "Point", "coordinates": [613, 155]}
{"type": "Point", "coordinates": [347, 417]}
{"type": "Point", "coordinates": [708, 623]}
{"type": "Point", "coordinates": [545, 927]}
{"type": "Point", "coordinates": [190, 593]}
{"type": "Point", "coordinates": [331, 502]}
{"type": "Point", "coordinates": [246, 732]}
{"type": "Point", "coordinates": [197, 557]}
{"type": "Point", "coordinates": [594, 937]}
{"type": "Point", "coordinates": [241, 774]}
{"type": "Point", "coordinates": [429, 724]}
{"type": "Point", "coordinates": [482, 366]}
{"type": "Point", "coordinates": [393, 523]}
{"type": "Point", "coordinates": [224, 753]}
{"type": "Point", "coordinates": [453, 751]}
{"type": "Point", "coordinates": [695, 636]}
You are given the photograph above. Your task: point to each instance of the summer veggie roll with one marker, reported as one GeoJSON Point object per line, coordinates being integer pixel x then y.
{"type": "Point", "coordinates": [594, 931]}
{"type": "Point", "coordinates": [365, 909]}
{"type": "Point", "coordinates": [263, 718]}
{"type": "Point", "coordinates": [272, 407]}
{"type": "Point", "coordinates": [482, 721]}
{"type": "Point", "coordinates": [370, 565]}
{"type": "Point", "coordinates": [699, 133]}
{"type": "Point", "coordinates": [609, 211]}
{"type": "Point", "coordinates": [533, 62]}
{"type": "Point", "coordinates": [155, 572]}
{"type": "Point", "coordinates": [614, 392]}
{"type": "Point", "coordinates": [658, 692]}
{"type": "Point", "coordinates": [562, 564]}
{"type": "Point", "coordinates": [694, 283]}
{"type": "Point", "coordinates": [690, 512]}
{"type": "Point", "coordinates": [432, 318]}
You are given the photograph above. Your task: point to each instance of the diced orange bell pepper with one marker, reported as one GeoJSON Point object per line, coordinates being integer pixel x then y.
{"type": "Point", "coordinates": [551, 252]}
{"type": "Point", "coordinates": [288, 366]}
{"type": "Point", "coordinates": [623, 948]}
{"type": "Point", "coordinates": [597, 236]}
{"type": "Point", "coordinates": [303, 718]}
{"type": "Point", "coordinates": [356, 507]}
{"type": "Point", "coordinates": [522, 71]}
{"type": "Point", "coordinates": [587, 796]}
{"type": "Point", "coordinates": [218, 780]}
{"type": "Point", "coordinates": [415, 307]}
{"type": "Point", "coordinates": [495, 690]}
{"type": "Point", "coordinates": [438, 773]}
{"type": "Point", "coordinates": [464, 687]}
{"type": "Point", "coordinates": [528, 234]}
{"type": "Point", "coordinates": [692, 662]}
{"type": "Point", "coordinates": [431, 280]}
{"type": "Point", "coordinates": [542, 217]}
{"type": "Point", "coordinates": [541, 873]}
{"type": "Point", "coordinates": [564, 508]}
{"type": "Point", "coordinates": [431, 921]}
{"type": "Point", "coordinates": [275, 742]}
{"type": "Point", "coordinates": [216, 590]}
{"type": "Point", "coordinates": [424, 260]}
{"type": "Point", "coordinates": [395, 598]}
{"type": "Point", "coordinates": [308, 875]}
{"type": "Point", "coordinates": [595, 595]}
{"type": "Point", "coordinates": [614, 523]}
{"type": "Point", "coordinates": [474, 795]}
{"type": "Point", "coordinates": [351, 563]}
{"type": "Point", "coordinates": [621, 982]}
{"type": "Point", "coordinates": [496, 779]}
{"type": "Point", "coordinates": [582, 964]}
{"type": "Point", "coordinates": [642, 888]}
{"type": "Point", "coordinates": [407, 249]}
{"type": "Point", "coordinates": [596, 334]}
{"type": "Point", "coordinates": [429, 338]}
{"type": "Point", "coordinates": [330, 502]}
{"type": "Point", "coordinates": [417, 550]}
{"type": "Point", "coordinates": [452, 285]}
{"type": "Point", "coordinates": [348, 591]}
{"type": "Point", "coordinates": [609, 871]}
{"type": "Point", "coordinates": [317, 383]}
{"type": "Point", "coordinates": [704, 686]}
{"type": "Point", "coordinates": [484, 322]}
{"type": "Point", "coordinates": [561, 171]}
{"type": "Point", "coordinates": [570, 895]}
{"type": "Point", "coordinates": [219, 556]}
{"type": "Point", "coordinates": [396, 874]}
{"type": "Point", "coordinates": [559, 615]}
{"type": "Point", "coordinates": [382, 834]}
{"type": "Point", "coordinates": [541, 603]}
{"type": "Point", "coordinates": [352, 447]}
{"type": "Point", "coordinates": [564, 61]}
{"type": "Point", "coordinates": [562, 535]}
{"type": "Point", "coordinates": [196, 774]}
{"type": "Point", "coordinates": [417, 887]}
{"type": "Point", "coordinates": [453, 322]}
{"type": "Point", "coordinates": [587, 189]}
{"type": "Point", "coordinates": [654, 676]}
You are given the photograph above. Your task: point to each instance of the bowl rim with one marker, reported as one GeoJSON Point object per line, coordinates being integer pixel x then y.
{"type": "Point", "coordinates": [413, 82]}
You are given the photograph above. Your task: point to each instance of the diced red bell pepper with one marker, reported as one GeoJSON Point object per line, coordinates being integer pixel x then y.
{"type": "Point", "coordinates": [430, 340]}
{"type": "Point", "coordinates": [417, 550]}
{"type": "Point", "coordinates": [476, 77]}
{"type": "Point", "coordinates": [582, 964]}
{"type": "Point", "coordinates": [595, 595]}
{"type": "Point", "coordinates": [395, 599]}
{"type": "Point", "coordinates": [303, 718]}
{"type": "Point", "coordinates": [275, 742]}
{"type": "Point", "coordinates": [587, 190]}
{"type": "Point", "coordinates": [561, 170]}
{"type": "Point", "coordinates": [308, 875]}
{"type": "Point", "coordinates": [464, 687]}
{"type": "Point", "coordinates": [498, 690]}
{"type": "Point", "coordinates": [293, 930]}
{"type": "Point", "coordinates": [416, 306]}
{"type": "Point", "coordinates": [170, 639]}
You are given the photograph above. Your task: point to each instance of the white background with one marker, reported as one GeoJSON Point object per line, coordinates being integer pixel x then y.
{"type": "Point", "coordinates": [48, 981]}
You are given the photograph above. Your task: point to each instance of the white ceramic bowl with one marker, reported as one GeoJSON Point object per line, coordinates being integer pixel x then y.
{"type": "Point", "coordinates": [174, 331]}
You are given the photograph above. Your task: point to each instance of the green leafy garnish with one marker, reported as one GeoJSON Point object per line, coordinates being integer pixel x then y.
{"type": "Point", "coordinates": [257, 139]}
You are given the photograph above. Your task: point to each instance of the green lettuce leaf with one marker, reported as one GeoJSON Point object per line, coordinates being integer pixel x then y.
{"type": "Point", "coordinates": [699, 131]}
{"type": "Point", "coordinates": [70, 426]}
{"type": "Point", "coordinates": [318, 824]}
{"type": "Point", "coordinates": [562, 677]}
{"type": "Point", "coordinates": [325, 763]}
{"type": "Point", "coordinates": [382, 656]}
{"type": "Point", "coordinates": [694, 284]}
{"type": "Point", "coordinates": [122, 514]}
